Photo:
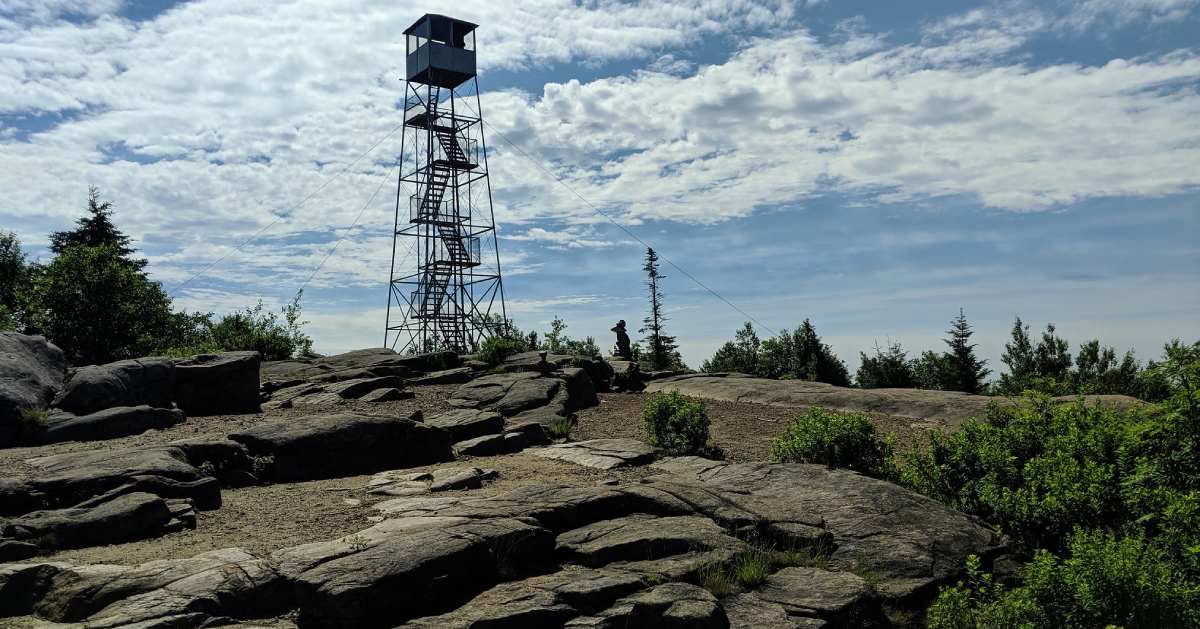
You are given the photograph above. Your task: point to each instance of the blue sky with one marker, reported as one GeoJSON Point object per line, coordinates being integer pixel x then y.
{"type": "Point", "coordinates": [873, 166]}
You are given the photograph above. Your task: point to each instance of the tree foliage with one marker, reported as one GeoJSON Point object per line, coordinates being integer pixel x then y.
{"type": "Point", "coordinates": [969, 372]}
{"type": "Point", "coordinates": [96, 229]}
{"type": "Point", "coordinates": [886, 368]}
{"type": "Point", "coordinates": [798, 354]}
{"type": "Point", "coordinates": [1049, 368]}
{"type": "Point", "coordinates": [15, 279]}
{"type": "Point", "coordinates": [95, 301]}
{"type": "Point", "coordinates": [1105, 499]}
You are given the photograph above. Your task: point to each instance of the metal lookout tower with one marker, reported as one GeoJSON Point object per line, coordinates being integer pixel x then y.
{"type": "Point", "coordinates": [454, 297]}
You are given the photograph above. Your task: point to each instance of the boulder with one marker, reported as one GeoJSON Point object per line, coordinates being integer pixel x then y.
{"type": "Point", "coordinates": [336, 445]}
{"type": "Point", "coordinates": [468, 423]}
{"type": "Point", "coordinates": [205, 590]}
{"type": "Point", "coordinates": [137, 382]}
{"type": "Point", "coordinates": [404, 568]}
{"type": "Point", "coordinates": [32, 371]}
{"type": "Point", "coordinates": [125, 518]}
{"type": "Point", "coordinates": [110, 423]}
{"type": "Point", "coordinates": [581, 393]}
{"type": "Point", "coordinates": [532, 361]}
{"type": "Point", "coordinates": [598, 370]}
{"type": "Point", "coordinates": [602, 454]}
{"type": "Point", "coordinates": [458, 375]}
{"type": "Point", "coordinates": [218, 384]}
{"type": "Point", "coordinates": [626, 376]}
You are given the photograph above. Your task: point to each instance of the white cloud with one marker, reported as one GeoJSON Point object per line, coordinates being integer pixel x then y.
{"type": "Point", "coordinates": [236, 103]}
{"type": "Point", "coordinates": [1087, 13]}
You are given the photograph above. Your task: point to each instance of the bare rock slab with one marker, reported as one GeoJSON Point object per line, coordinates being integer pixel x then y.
{"type": "Point", "coordinates": [199, 591]}
{"type": "Point", "coordinates": [457, 375]}
{"type": "Point", "coordinates": [390, 394]}
{"type": "Point", "coordinates": [468, 423]}
{"type": "Point", "coordinates": [667, 606]}
{"type": "Point", "coordinates": [399, 483]}
{"type": "Point", "coordinates": [109, 423]}
{"type": "Point", "coordinates": [542, 601]}
{"type": "Point", "coordinates": [910, 542]}
{"type": "Point", "coordinates": [642, 537]}
{"type": "Point", "coordinates": [404, 568]}
{"type": "Point", "coordinates": [70, 478]}
{"type": "Point", "coordinates": [125, 518]}
{"type": "Point", "coordinates": [809, 597]}
{"type": "Point", "coordinates": [336, 445]}
{"type": "Point", "coordinates": [604, 454]}
{"type": "Point", "coordinates": [218, 384]}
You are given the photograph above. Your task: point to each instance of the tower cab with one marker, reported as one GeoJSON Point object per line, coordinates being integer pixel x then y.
{"type": "Point", "coordinates": [440, 51]}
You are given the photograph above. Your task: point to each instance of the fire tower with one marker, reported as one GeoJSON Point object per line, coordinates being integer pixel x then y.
{"type": "Point", "coordinates": [454, 297]}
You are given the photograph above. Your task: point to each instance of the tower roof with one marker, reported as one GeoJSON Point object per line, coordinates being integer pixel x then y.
{"type": "Point", "coordinates": [437, 24]}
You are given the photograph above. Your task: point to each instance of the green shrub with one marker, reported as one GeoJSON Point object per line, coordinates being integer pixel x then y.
{"type": "Point", "coordinates": [1037, 469]}
{"type": "Point", "coordinates": [1105, 581]}
{"type": "Point", "coordinates": [494, 349]}
{"type": "Point", "coordinates": [835, 439]}
{"type": "Point", "coordinates": [676, 424]}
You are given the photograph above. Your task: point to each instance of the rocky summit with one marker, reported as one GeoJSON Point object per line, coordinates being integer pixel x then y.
{"type": "Point", "coordinates": [371, 489]}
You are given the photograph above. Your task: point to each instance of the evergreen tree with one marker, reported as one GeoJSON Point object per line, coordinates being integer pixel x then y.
{"type": "Point", "coordinates": [885, 369]}
{"type": "Point", "coordinates": [1053, 356]}
{"type": "Point", "coordinates": [1019, 357]}
{"type": "Point", "coordinates": [661, 350]}
{"type": "Point", "coordinates": [740, 355]}
{"type": "Point", "coordinates": [969, 371]}
{"type": "Point", "coordinates": [96, 229]}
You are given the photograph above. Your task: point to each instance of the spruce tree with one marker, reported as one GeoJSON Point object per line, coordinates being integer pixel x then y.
{"type": "Point", "coordinates": [662, 351]}
{"type": "Point", "coordinates": [969, 371]}
{"type": "Point", "coordinates": [96, 229]}
{"type": "Point", "coordinates": [1019, 357]}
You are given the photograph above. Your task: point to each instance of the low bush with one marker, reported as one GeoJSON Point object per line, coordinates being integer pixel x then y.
{"type": "Point", "coordinates": [676, 424]}
{"type": "Point", "coordinates": [835, 439]}
{"type": "Point", "coordinates": [1104, 582]}
{"type": "Point", "coordinates": [494, 349]}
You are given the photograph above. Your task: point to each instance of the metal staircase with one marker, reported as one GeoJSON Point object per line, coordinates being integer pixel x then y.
{"type": "Point", "coordinates": [458, 248]}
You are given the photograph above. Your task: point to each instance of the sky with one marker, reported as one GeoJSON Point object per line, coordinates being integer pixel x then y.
{"type": "Point", "coordinates": [872, 166]}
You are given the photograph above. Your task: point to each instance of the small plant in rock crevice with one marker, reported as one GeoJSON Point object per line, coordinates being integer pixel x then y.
{"type": "Point", "coordinates": [31, 423]}
{"type": "Point", "coordinates": [262, 466]}
{"type": "Point", "coordinates": [560, 428]}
